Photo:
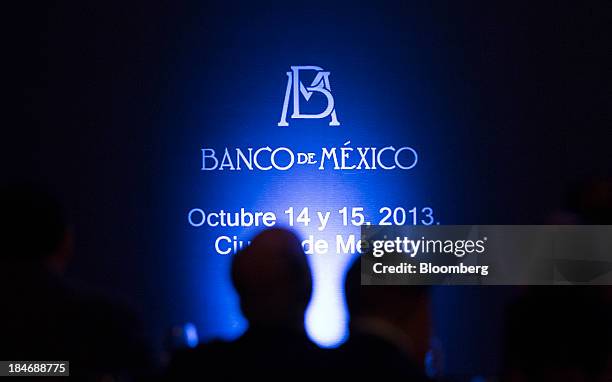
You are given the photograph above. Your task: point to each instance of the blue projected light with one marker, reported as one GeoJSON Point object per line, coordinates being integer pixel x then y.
{"type": "Point", "coordinates": [326, 317]}
{"type": "Point", "coordinates": [292, 95]}
{"type": "Point", "coordinates": [191, 335]}
{"type": "Point", "coordinates": [291, 165]}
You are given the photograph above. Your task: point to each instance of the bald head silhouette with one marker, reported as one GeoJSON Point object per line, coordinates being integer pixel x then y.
{"type": "Point", "coordinates": [273, 279]}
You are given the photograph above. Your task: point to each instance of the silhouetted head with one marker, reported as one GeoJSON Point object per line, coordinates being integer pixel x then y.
{"type": "Point", "coordinates": [33, 226]}
{"type": "Point", "coordinates": [559, 333]}
{"type": "Point", "coordinates": [405, 307]}
{"type": "Point", "coordinates": [590, 201]}
{"type": "Point", "coordinates": [273, 279]}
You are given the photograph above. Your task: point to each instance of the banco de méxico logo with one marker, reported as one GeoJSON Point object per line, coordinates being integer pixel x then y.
{"type": "Point", "coordinates": [296, 89]}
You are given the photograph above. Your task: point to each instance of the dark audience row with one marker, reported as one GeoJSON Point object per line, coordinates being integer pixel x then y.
{"type": "Point", "coordinates": [552, 334]}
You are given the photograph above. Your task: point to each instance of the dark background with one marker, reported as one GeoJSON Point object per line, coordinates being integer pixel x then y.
{"type": "Point", "coordinates": [94, 90]}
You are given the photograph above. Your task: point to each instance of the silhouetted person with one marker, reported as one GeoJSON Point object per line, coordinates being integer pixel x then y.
{"type": "Point", "coordinates": [586, 202]}
{"type": "Point", "coordinates": [389, 329]}
{"type": "Point", "coordinates": [273, 281]}
{"type": "Point", "coordinates": [43, 317]}
{"type": "Point", "coordinates": [558, 334]}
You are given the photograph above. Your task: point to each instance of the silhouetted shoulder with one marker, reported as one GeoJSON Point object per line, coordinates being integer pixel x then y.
{"type": "Point", "coordinates": [65, 323]}
{"type": "Point", "coordinates": [206, 358]}
{"type": "Point", "coordinates": [365, 354]}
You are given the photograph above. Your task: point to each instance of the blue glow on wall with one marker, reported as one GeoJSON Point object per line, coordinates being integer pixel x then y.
{"type": "Point", "coordinates": [191, 335]}
{"type": "Point", "coordinates": [234, 98]}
